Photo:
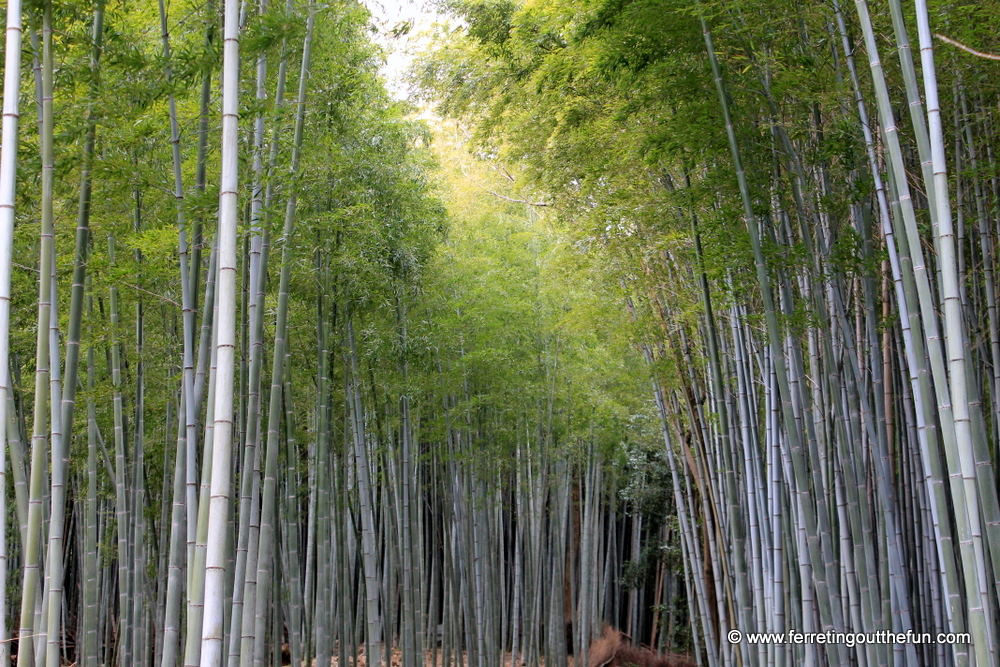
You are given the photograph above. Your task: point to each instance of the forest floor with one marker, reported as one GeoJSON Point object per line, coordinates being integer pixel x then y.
{"type": "Point", "coordinates": [431, 659]}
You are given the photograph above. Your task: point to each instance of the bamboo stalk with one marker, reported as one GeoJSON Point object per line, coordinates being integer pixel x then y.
{"type": "Point", "coordinates": [32, 545]}
{"type": "Point", "coordinates": [8, 181]}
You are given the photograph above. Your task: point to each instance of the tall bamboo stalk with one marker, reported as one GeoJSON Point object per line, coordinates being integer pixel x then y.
{"type": "Point", "coordinates": [32, 546]}
{"type": "Point", "coordinates": [267, 553]}
{"type": "Point", "coordinates": [215, 560]}
{"type": "Point", "coordinates": [981, 495]}
{"type": "Point", "coordinates": [8, 181]}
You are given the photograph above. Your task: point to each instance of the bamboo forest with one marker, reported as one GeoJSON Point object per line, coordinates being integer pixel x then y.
{"type": "Point", "coordinates": [591, 333]}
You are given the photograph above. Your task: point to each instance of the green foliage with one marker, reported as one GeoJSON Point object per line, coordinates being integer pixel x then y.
{"type": "Point", "coordinates": [513, 323]}
{"type": "Point", "coordinates": [488, 22]}
{"type": "Point", "coordinates": [648, 488]}
{"type": "Point", "coordinates": [605, 106]}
